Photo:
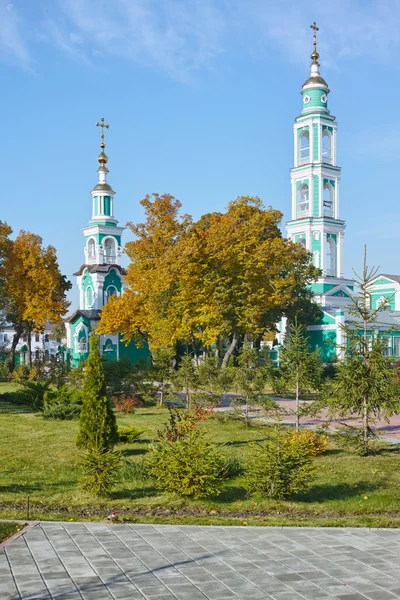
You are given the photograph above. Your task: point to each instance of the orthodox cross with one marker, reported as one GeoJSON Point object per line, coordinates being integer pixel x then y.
{"type": "Point", "coordinates": [315, 28]}
{"type": "Point", "coordinates": [102, 125]}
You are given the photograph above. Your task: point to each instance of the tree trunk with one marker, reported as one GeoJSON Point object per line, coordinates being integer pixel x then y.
{"type": "Point", "coordinates": [230, 350]}
{"type": "Point", "coordinates": [16, 338]}
{"type": "Point", "coordinates": [297, 404]}
{"type": "Point", "coordinates": [365, 426]}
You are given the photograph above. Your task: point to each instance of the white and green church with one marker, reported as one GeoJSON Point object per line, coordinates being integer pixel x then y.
{"type": "Point", "coordinates": [101, 276]}
{"type": "Point", "coordinates": [316, 224]}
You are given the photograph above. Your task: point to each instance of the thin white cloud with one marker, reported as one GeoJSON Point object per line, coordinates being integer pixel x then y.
{"type": "Point", "coordinates": [13, 46]}
{"type": "Point", "coordinates": [181, 37]}
{"type": "Point", "coordinates": [176, 36]}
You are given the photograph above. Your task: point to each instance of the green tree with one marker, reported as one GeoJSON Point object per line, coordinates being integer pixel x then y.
{"type": "Point", "coordinates": [366, 384]}
{"type": "Point", "coordinates": [300, 369]}
{"type": "Point", "coordinates": [249, 378]}
{"type": "Point", "coordinates": [97, 424]}
{"type": "Point", "coordinates": [185, 378]}
{"type": "Point", "coordinates": [161, 371]}
{"type": "Point", "coordinates": [279, 468]}
{"type": "Point", "coordinates": [189, 466]}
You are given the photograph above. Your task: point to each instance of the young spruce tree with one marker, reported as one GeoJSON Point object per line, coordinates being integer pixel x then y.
{"type": "Point", "coordinates": [97, 424]}
{"type": "Point", "coordinates": [366, 383]}
{"type": "Point", "coordinates": [300, 368]}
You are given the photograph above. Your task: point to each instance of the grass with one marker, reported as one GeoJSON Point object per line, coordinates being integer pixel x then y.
{"type": "Point", "coordinates": [8, 529]}
{"type": "Point", "coordinates": [39, 460]}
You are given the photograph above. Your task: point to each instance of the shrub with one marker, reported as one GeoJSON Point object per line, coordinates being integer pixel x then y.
{"type": "Point", "coordinates": [64, 404]}
{"type": "Point", "coordinates": [231, 466]}
{"type": "Point", "coordinates": [310, 441]}
{"type": "Point", "coordinates": [101, 470]}
{"type": "Point", "coordinates": [126, 404]}
{"type": "Point", "coordinates": [33, 393]}
{"type": "Point", "coordinates": [279, 469]}
{"type": "Point", "coordinates": [61, 410]}
{"type": "Point", "coordinates": [189, 466]}
{"type": "Point", "coordinates": [127, 435]}
{"type": "Point", "coordinates": [180, 423]}
{"type": "Point", "coordinates": [352, 438]}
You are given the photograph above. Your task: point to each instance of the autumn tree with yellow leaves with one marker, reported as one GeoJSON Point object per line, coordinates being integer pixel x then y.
{"type": "Point", "coordinates": [33, 288]}
{"type": "Point", "coordinates": [222, 279]}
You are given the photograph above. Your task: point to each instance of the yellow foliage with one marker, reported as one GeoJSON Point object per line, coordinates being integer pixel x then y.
{"type": "Point", "coordinates": [230, 273]}
{"type": "Point", "coordinates": [308, 441]}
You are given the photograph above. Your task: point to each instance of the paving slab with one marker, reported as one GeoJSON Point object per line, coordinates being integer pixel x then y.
{"type": "Point", "coordinates": [99, 561]}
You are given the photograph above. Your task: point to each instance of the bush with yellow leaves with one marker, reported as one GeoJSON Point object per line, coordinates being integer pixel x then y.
{"type": "Point", "coordinates": [307, 441]}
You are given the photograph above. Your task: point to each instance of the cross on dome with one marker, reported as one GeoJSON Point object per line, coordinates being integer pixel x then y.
{"type": "Point", "coordinates": [315, 55]}
{"type": "Point", "coordinates": [103, 158]}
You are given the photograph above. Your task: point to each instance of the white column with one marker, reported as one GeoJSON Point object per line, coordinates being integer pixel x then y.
{"type": "Point", "coordinates": [340, 254]}
{"type": "Point", "coordinates": [293, 199]}
{"type": "Point", "coordinates": [323, 251]}
{"type": "Point", "coordinates": [333, 144]}
{"type": "Point", "coordinates": [337, 207]}
{"type": "Point", "coordinates": [340, 334]}
{"type": "Point", "coordinates": [295, 146]}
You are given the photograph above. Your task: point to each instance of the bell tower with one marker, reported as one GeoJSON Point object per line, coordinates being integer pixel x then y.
{"type": "Point", "coordinates": [315, 181]}
{"type": "Point", "coordinates": [101, 275]}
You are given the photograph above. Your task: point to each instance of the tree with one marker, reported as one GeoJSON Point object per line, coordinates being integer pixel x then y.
{"type": "Point", "coordinates": [185, 378]}
{"type": "Point", "coordinates": [5, 244]}
{"type": "Point", "coordinates": [161, 370]}
{"type": "Point", "coordinates": [366, 384]}
{"type": "Point", "coordinates": [34, 286]}
{"type": "Point", "coordinates": [97, 424]}
{"type": "Point", "coordinates": [216, 281]}
{"type": "Point", "coordinates": [300, 369]}
{"type": "Point", "coordinates": [248, 378]}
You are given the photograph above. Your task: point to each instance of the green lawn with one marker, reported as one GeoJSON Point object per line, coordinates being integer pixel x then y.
{"type": "Point", "coordinates": [8, 529]}
{"type": "Point", "coordinates": [38, 458]}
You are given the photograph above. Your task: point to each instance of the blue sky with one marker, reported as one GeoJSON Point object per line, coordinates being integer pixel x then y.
{"type": "Point", "coordinates": [201, 97]}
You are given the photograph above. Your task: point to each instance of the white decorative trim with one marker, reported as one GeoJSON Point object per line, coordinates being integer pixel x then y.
{"type": "Point", "coordinates": [331, 327]}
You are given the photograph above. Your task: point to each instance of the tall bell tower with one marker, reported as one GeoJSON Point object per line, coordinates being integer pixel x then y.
{"type": "Point", "coordinates": [315, 181]}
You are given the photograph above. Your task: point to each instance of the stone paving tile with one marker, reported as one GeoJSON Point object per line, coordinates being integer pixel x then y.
{"type": "Point", "coordinates": [95, 561]}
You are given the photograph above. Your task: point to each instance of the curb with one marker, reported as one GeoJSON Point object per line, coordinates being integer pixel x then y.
{"type": "Point", "coordinates": [18, 534]}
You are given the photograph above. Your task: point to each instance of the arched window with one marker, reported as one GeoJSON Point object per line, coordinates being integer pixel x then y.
{"type": "Point", "coordinates": [330, 257]}
{"type": "Point", "coordinates": [316, 259]}
{"type": "Point", "coordinates": [328, 200]}
{"type": "Point", "coordinates": [109, 250]}
{"type": "Point", "coordinates": [303, 201]}
{"type": "Point", "coordinates": [304, 147]}
{"type": "Point", "coordinates": [89, 297]}
{"type": "Point", "coordinates": [380, 301]}
{"type": "Point", "coordinates": [37, 354]}
{"type": "Point", "coordinates": [91, 247]}
{"type": "Point", "coordinates": [326, 147]}
{"type": "Point", "coordinates": [111, 291]}
{"type": "Point", "coordinates": [82, 341]}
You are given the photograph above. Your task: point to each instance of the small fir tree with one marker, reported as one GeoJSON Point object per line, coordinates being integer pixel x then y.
{"type": "Point", "coordinates": [161, 371]}
{"type": "Point", "coordinates": [366, 383]}
{"type": "Point", "coordinates": [185, 378]}
{"type": "Point", "coordinates": [97, 424]}
{"type": "Point", "coordinates": [300, 368]}
{"type": "Point", "coordinates": [249, 379]}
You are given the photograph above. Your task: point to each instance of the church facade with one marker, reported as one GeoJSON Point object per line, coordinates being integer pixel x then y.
{"type": "Point", "coordinates": [101, 276]}
{"type": "Point", "coordinates": [317, 225]}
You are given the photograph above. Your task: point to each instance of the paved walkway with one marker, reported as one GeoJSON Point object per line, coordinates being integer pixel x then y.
{"type": "Point", "coordinates": [94, 561]}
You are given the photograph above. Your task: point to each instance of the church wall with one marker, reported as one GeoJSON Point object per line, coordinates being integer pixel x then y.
{"type": "Point", "coordinates": [325, 341]}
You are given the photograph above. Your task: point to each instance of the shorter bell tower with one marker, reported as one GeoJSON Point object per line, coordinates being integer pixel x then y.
{"type": "Point", "coordinates": [101, 275]}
